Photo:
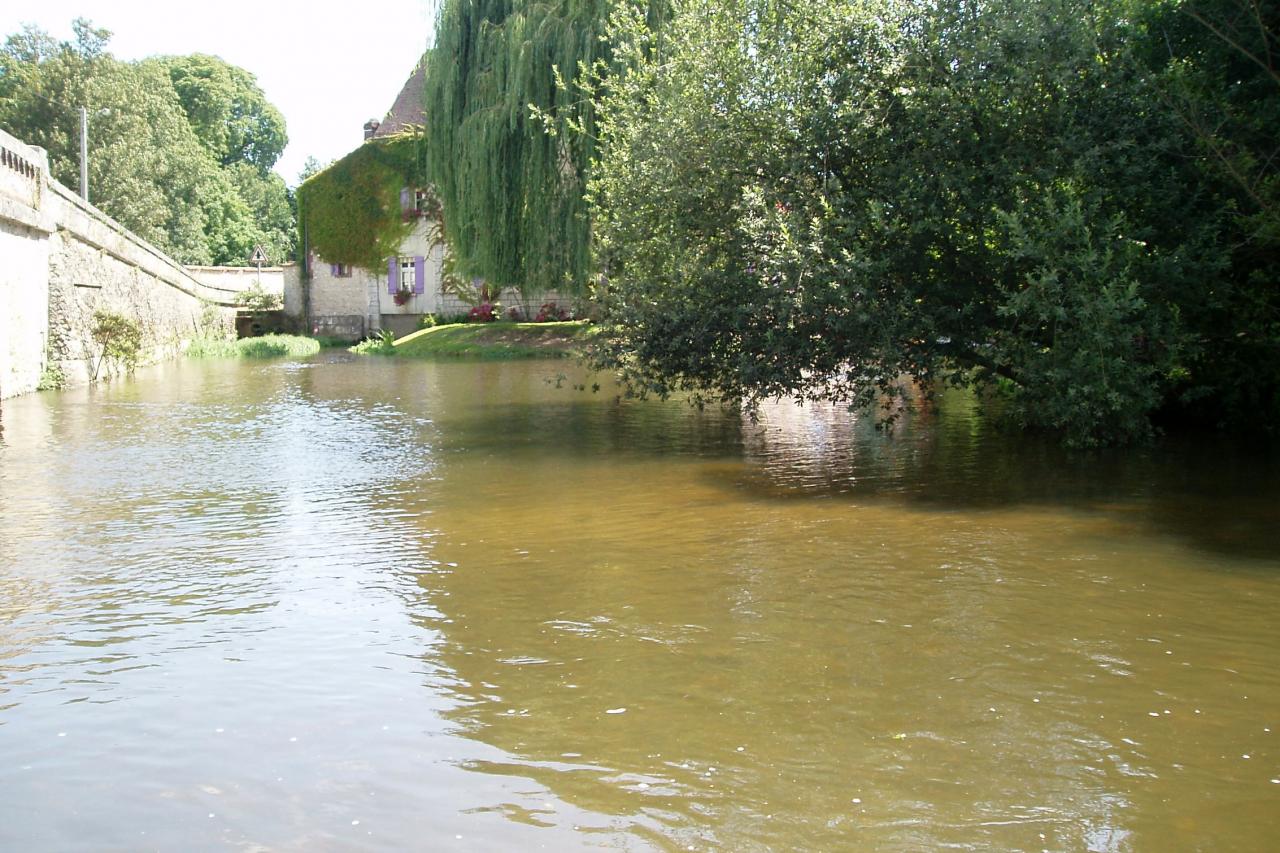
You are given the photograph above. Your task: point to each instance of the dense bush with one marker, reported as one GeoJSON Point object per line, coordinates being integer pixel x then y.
{"type": "Point", "coordinates": [1071, 201]}
{"type": "Point", "coordinates": [265, 346]}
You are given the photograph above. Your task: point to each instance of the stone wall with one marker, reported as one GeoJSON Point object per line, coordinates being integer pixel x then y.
{"type": "Point", "coordinates": [24, 263]}
{"type": "Point", "coordinates": [421, 242]}
{"type": "Point", "coordinates": [239, 279]}
{"type": "Point", "coordinates": [291, 285]}
{"type": "Point", "coordinates": [95, 264]}
{"type": "Point", "coordinates": [329, 305]}
{"type": "Point", "coordinates": [451, 305]}
{"type": "Point", "coordinates": [64, 260]}
{"type": "Point", "coordinates": [24, 314]}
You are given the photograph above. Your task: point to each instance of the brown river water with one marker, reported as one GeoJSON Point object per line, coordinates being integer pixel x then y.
{"type": "Point", "coordinates": [353, 604]}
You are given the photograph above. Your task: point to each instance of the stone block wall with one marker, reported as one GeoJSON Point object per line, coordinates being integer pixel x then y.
{"type": "Point", "coordinates": [62, 260]}
{"type": "Point", "coordinates": [334, 306]}
{"type": "Point", "coordinates": [291, 286]}
{"type": "Point", "coordinates": [24, 313]}
{"type": "Point", "coordinates": [235, 280]}
{"type": "Point", "coordinates": [95, 264]}
{"type": "Point", "coordinates": [451, 305]}
{"type": "Point", "coordinates": [24, 261]}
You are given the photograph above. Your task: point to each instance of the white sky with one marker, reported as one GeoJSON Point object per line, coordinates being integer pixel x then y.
{"type": "Point", "coordinates": [328, 68]}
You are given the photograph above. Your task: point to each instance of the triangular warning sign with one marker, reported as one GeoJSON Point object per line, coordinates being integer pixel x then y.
{"type": "Point", "coordinates": [259, 255]}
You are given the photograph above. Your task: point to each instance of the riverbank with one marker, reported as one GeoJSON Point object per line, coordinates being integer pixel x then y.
{"type": "Point", "coordinates": [497, 341]}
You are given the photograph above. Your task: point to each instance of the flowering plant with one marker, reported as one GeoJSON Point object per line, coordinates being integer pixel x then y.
{"type": "Point", "coordinates": [550, 313]}
{"type": "Point", "coordinates": [485, 312]}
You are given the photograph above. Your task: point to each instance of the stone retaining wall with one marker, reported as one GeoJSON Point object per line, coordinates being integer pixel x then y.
{"type": "Point", "coordinates": [238, 279]}
{"type": "Point", "coordinates": [25, 227]}
{"type": "Point", "coordinates": [64, 260]}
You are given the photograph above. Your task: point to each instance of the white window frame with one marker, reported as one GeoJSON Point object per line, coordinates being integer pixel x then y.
{"type": "Point", "coordinates": [407, 274]}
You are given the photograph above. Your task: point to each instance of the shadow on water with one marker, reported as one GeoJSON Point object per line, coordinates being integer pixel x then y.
{"type": "Point", "coordinates": [1215, 494]}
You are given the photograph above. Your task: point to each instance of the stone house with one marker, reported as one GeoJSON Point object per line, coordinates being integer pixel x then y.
{"type": "Point", "coordinates": [350, 302]}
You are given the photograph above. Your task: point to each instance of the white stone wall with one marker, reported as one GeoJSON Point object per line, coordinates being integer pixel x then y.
{"type": "Point", "coordinates": [24, 307]}
{"type": "Point", "coordinates": [83, 279]}
{"type": "Point", "coordinates": [291, 285]}
{"type": "Point", "coordinates": [451, 304]}
{"type": "Point", "coordinates": [61, 259]}
{"type": "Point", "coordinates": [339, 304]}
{"type": "Point", "coordinates": [238, 279]}
{"type": "Point", "coordinates": [421, 242]}
{"type": "Point", "coordinates": [24, 264]}
{"type": "Point", "coordinates": [332, 294]}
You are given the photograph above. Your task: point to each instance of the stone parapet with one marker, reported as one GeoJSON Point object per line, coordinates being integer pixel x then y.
{"type": "Point", "coordinates": [62, 260]}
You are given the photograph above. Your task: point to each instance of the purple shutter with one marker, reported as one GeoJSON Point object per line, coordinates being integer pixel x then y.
{"type": "Point", "coordinates": [419, 274]}
{"type": "Point", "coordinates": [406, 200]}
{"type": "Point", "coordinates": [393, 273]}
{"type": "Point", "coordinates": [333, 270]}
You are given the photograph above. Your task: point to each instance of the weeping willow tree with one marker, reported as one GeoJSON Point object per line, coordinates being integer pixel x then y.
{"type": "Point", "coordinates": [510, 137]}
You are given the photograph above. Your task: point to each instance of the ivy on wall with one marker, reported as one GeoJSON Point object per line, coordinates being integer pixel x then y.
{"type": "Point", "coordinates": [351, 213]}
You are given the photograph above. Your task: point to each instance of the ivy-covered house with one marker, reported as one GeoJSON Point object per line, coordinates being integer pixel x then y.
{"type": "Point", "coordinates": [373, 256]}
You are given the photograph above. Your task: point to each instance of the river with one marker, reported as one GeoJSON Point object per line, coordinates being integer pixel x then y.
{"type": "Point", "coordinates": [358, 604]}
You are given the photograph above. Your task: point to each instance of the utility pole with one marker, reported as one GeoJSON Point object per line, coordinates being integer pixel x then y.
{"type": "Point", "coordinates": [84, 154]}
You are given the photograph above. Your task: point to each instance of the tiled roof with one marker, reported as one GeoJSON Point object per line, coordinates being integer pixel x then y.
{"type": "Point", "coordinates": [407, 110]}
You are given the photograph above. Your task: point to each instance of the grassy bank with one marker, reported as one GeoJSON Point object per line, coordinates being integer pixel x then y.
{"type": "Point", "coordinates": [267, 346]}
{"type": "Point", "coordinates": [488, 341]}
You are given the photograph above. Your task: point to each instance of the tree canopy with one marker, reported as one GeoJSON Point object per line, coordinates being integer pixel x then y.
{"type": "Point", "coordinates": [1066, 202]}
{"type": "Point", "coordinates": [228, 112]}
{"type": "Point", "coordinates": [149, 167]}
{"type": "Point", "coordinates": [510, 137]}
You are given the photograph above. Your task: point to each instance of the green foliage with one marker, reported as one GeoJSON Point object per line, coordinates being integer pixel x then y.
{"type": "Point", "coordinates": [501, 104]}
{"type": "Point", "coordinates": [816, 200]}
{"type": "Point", "coordinates": [351, 211]}
{"type": "Point", "coordinates": [310, 167]}
{"type": "Point", "coordinates": [52, 378]}
{"type": "Point", "coordinates": [213, 347]}
{"type": "Point", "coordinates": [148, 168]}
{"type": "Point", "coordinates": [371, 346]}
{"type": "Point", "coordinates": [266, 346]}
{"type": "Point", "coordinates": [258, 301]}
{"type": "Point", "coordinates": [383, 343]}
{"type": "Point", "coordinates": [212, 322]}
{"type": "Point", "coordinates": [275, 346]}
{"type": "Point", "coordinates": [228, 112]}
{"type": "Point", "coordinates": [270, 208]}
{"type": "Point", "coordinates": [1218, 67]}
{"type": "Point", "coordinates": [119, 339]}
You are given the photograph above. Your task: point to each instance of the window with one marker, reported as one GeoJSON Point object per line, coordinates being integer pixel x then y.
{"type": "Point", "coordinates": [420, 201]}
{"type": "Point", "coordinates": [340, 270]}
{"type": "Point", "coordinates": [406, 274]}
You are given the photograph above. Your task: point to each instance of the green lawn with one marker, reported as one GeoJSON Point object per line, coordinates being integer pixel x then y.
{"type": "Point", "coordinates": [500, 340]}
